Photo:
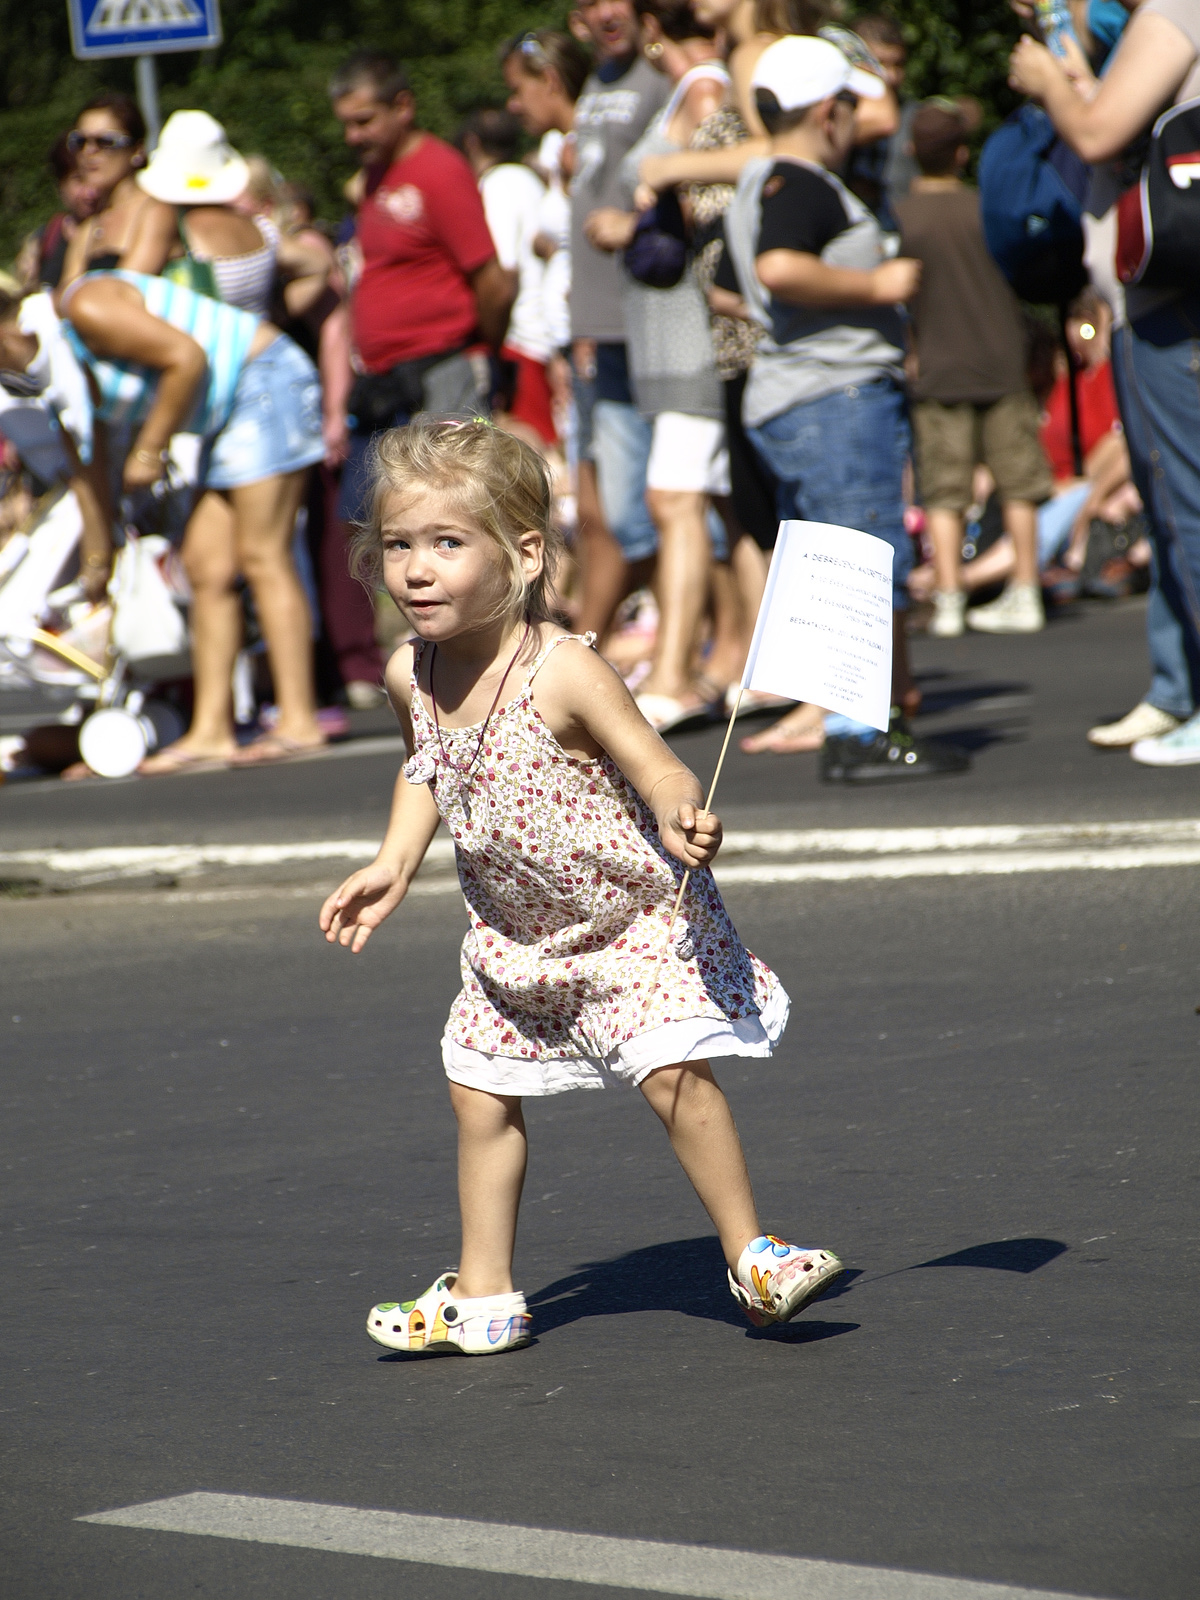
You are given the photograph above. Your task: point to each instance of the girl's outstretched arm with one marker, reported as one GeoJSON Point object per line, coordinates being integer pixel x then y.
{"type": "Point", "coordinates": [354, 910]}
{"type": "Point", "coordinates": [586, 705]}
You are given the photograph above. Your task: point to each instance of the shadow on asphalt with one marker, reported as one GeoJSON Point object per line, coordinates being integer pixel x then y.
{"type": "Point", "coordinates": [1001, 1255]}
{"type": "Point", "coordinates": [685, 1275]}
{"type": "Point", "coordinates": [940, 692]}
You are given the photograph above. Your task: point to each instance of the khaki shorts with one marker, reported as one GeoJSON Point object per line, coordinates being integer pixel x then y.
{"type": "Point", "coordinates": [952, 439]}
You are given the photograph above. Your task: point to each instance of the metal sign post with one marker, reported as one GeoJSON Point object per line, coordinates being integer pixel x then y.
{"type": "Point", "coordinates": [145, 29]}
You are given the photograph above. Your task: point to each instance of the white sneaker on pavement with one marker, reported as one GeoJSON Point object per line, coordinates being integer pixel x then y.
{"type": "Point", "coordinates": [1143, 722]}
{"type": "Point", "coordinates": [949, 606]}
{"type": "Point", "coordinates": [1018, 610]}
{"type": "Point", "coordinates": [1179, 748]}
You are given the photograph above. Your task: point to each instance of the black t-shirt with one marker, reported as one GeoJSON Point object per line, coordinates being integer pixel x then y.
{"type": "Point", "coordinates": [800, 211]}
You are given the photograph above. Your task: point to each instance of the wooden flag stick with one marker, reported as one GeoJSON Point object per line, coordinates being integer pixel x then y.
{"type": "Point", "coordinates": [712, 789]}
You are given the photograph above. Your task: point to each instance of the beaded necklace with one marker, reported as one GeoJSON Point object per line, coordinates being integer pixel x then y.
{"type": "Point", "coordinates": [462, 770]}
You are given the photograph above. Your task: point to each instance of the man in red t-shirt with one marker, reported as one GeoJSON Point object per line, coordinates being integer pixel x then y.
{"type": "Point", "coordinates": [430, 285]}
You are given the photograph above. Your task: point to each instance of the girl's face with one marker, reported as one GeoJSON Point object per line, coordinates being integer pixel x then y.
{"type": "Point", "coordinates": [104, 152]}
{"type": "Point", "coordinates": [442, 570]}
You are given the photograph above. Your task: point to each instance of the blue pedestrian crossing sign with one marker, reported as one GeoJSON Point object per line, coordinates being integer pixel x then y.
{"type": "Point", "coordinates": [142, 27]}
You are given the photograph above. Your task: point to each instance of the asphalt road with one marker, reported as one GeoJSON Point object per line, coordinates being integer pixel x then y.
{"type": "Point", "coordinates": [985, 1102]}
{"type": "Point", "coordinates": [1022, 705]}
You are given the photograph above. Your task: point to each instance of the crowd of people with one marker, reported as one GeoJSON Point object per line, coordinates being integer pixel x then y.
{"type": "Point", "coordinates": [715, 266]}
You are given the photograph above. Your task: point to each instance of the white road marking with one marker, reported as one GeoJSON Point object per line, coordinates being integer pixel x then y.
{"type": "Point", "coordinates": [969, 864]}
{"type": "Point", "coordinates": [873, 852]}
{"type": "Point", "coordinates": [682, 1569]}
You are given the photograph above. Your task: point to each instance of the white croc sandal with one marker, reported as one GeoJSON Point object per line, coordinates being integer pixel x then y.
{"type": "Point", "coordinates": [775, 1280]}
{"type": "Point", "coordinates": [437, 1320]}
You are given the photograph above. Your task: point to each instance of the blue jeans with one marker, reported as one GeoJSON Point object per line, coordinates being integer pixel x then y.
{"type": "Point", "coordinates": [1172, 640]}
{"type": "Point", "coordinates": [840, 459]}
{"type": "Point", "coordinates": [621, 448]}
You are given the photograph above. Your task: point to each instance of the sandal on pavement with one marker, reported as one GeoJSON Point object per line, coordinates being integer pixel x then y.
{"type": "Point", "coordinates": [775, 1280]}
{"type": "Point", "coordinates": [174, 759]}
{"type": "Point", "coordinates": [664, 712]}
{"type": "Point", "coordinates": [754, 701]}
{"type": "Point", "coordinates": [478, 1327]}
{"type": "Point", "coordinates": [273, 747]}
{"type": "Point", "coordinates": [781, 741]}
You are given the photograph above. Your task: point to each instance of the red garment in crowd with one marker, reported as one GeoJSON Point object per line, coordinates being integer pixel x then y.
{"type": "Point", "coordinates": [422, 233]}
{"type": "Point", "coordinates": [531, 401]}
{"type": "Point", "coordinates": [1098, 415]}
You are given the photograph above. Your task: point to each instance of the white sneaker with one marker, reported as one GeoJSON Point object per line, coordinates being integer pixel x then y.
{"type": "Point", "coordinates": [476, 1327]}
{"type": "Point", "coordinates": [1179, 748]}
{"type": "Point", "coordinates": [1018, 610]}
{"type": "Point", "coordinates": [949, 607]}
{"type": "Point", "coordinates": [775, 1279]}
{"type": "Point", "coordinates": [1143, 722]}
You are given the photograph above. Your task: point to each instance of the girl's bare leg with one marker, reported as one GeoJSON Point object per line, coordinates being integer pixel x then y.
{"type": "Point", "coordinates": [210, 561]}
{"type": "Point", "coordinates": [491, 1174]}
{"type": "Point", "coordinates": [689, 1102]}
{"type": "Point", "coordinates": [265, 518]}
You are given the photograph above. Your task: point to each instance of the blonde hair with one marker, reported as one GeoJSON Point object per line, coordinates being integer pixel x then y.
{"type": "Point", "coordinates": [497, 480]}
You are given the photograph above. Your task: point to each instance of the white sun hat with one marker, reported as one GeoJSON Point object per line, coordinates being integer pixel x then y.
{"type": "Point", "coordinates": [194, 163]}
{"type": "Point", "coordinates": [801, 70]}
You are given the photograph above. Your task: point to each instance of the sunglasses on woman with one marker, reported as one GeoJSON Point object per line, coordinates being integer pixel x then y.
{"type": "Point", "coordinates": [78, 142]}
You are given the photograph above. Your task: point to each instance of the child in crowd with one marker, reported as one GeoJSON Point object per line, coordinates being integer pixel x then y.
{"type": "Point", "coordinates": [971, 390]}
{"type": "Point", "coordinates": [572, 823]}
{"type": "Point", "coordinates": [824, 404]}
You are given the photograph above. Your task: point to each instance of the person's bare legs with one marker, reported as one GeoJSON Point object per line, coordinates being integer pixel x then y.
{"type": "Point", "coordinates": [946, 536]}
{"type": "Point", "coordinates": [688, 1101]}
{"type": "Point", "coordinates": [210, 560]}
{"type": "Point", "coordinates": [604, 573]}
{"type": "Point", "coordinates": [1020, 523]}
{"type": "Point", "coordinates": [737, 590]}
{"type": "Point", "coordinates": [264, 520]}
{"type": "Point", "coordinates": [684, 558]}
{"type": "Point", "coordinates": [491, 1173]}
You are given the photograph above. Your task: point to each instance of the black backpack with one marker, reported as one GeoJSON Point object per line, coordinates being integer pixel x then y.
{"type": "Point", "coordinates": [1158, 219]}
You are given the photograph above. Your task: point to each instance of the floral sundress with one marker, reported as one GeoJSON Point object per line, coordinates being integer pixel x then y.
{"type": "Point", "coordinates": [568, 977]}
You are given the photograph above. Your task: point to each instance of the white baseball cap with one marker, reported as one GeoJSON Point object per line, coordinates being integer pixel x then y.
{"type": "Point", "coordinates": [194, 163]}
{"type": "Point", "coordinates": [802, 70]}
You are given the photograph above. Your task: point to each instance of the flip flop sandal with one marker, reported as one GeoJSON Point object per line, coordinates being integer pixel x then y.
{"type": "Point", "coordinates": [663, 712]}
{"type": "Point", "coordinates": [483, 1326]}
{"type": "Point", "coordinates": [166, 763]}
{"type": "Point", "coordinates": [272, 747]}
{"type": "Point", "coordinates": [754, 701]}
{"type": "Point", "coordinates": [778, 742]}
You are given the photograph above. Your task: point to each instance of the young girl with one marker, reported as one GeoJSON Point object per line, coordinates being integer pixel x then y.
{"type": "Point", "coordinates": [572, 824]}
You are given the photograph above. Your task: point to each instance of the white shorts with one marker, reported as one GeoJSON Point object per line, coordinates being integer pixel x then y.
{"type": "Point", "coordinates": [688, 453]}
{"type": "Point", "coordinates": [694, 1039]}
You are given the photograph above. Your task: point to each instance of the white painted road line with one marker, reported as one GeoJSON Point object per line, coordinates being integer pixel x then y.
{"type": "Point", "coordinates": [930, 852]}
{"type": "Point", "coordinates": [683, 1569]}
{"type": "Point", "coordinates": [995, 863]}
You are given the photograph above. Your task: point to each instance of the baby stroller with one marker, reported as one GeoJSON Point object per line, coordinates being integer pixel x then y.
{"type": "Point", "coordinates": [112, 653]}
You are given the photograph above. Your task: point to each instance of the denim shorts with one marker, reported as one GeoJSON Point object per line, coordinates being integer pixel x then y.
{"type": "Point", "coordinates": [275, 424]}
{"type": "Point", "coordinates": [841, 459]}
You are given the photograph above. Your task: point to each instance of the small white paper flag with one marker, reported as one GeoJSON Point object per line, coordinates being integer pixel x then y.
{"type": "Point", "coordinates": [824, 629]}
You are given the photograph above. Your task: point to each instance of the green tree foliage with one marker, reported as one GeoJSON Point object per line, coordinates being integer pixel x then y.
{"type": "Point", "coordinates": [267, 81]}
{"type": "Point", "coordinates": [958, 47]}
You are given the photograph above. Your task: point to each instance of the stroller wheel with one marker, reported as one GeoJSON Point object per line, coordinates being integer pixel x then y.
{"type": "Point", "coordinates": [113, 742]}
